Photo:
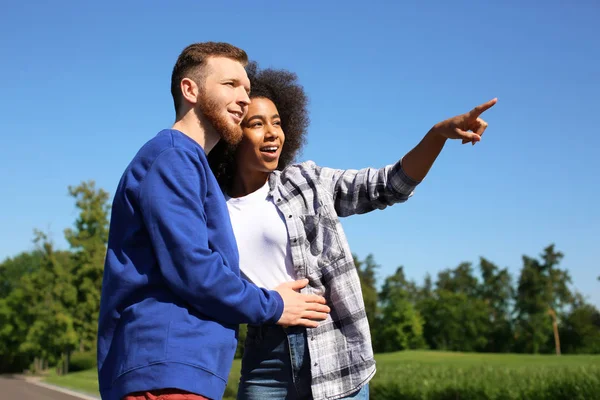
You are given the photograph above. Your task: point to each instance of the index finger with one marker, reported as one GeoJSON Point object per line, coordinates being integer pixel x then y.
{"type": "Point", "coordinates": [480, 109]}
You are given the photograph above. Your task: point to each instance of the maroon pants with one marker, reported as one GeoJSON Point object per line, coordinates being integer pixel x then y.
{"type": "Point", "coordinates": [164, 394]}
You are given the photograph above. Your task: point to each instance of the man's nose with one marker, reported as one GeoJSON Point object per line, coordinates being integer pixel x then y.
{"type": "Point", "coordinates": [243, 98]}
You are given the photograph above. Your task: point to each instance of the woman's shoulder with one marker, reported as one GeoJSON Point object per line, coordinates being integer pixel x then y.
{"type": "Point", "coordinates": [308, 165]}
{"type": "Point", "coordinates": [301, 170]}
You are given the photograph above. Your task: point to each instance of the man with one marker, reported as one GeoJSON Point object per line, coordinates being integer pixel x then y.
{"type": "Point", "coordinates": [172, 296]}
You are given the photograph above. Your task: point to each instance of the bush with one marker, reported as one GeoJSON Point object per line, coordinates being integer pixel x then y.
{"type": "Point", "coordinates": [239, 352]}
{"type": "Point", "coordinates": [82, 361]}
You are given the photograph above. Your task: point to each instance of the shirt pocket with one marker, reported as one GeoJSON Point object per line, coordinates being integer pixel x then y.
{"type": "Point", "coordinates": [323, 242]}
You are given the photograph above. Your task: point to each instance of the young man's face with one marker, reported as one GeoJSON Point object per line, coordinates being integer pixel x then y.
{"type": "Point", "coordinates": [224, 97]}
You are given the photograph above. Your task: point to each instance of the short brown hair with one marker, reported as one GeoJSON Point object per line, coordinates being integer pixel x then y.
{"type": "Point", "coordinates": [191, 60]}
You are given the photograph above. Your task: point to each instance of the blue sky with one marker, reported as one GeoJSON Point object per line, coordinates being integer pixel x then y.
{"type": "Point", "coordinates": [84, 84]}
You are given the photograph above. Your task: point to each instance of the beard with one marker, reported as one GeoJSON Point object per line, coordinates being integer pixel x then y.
{"type": "Point", "coordinates": [208, 109]}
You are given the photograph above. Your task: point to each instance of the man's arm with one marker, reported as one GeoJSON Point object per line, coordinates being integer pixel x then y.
{"type": "Point", "coordinates": [172, 208]}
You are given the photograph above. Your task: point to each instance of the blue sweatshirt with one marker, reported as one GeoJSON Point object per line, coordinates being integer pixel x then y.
{"type": "Point", "coordinates": [172, 296]}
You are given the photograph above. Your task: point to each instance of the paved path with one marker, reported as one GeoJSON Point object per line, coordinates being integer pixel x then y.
{"type": "Point", "coordinates": [19, 389]}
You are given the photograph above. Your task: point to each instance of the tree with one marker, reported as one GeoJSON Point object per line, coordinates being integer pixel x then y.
{"type": "Point", "coordinates": [427, 289]}
{"type": "Point", "coordinates": [497, 292]}
{"type": "Point", "coordinates": [88, 241]}
{"type": "Point", "coordinates": [399, 326]}
{"type": "Point", "coordinates": [542, 291]}
{"type": "Point", "coordinates": [456, 318]}
{"type": "Point", "coordinates": [14, 309]}
{"type": "Point", "coordinates": [459, 280]}
{"type": "Point", "coordinates": [12, 269]}
{"type": "Point", "coordinates": [580, 328]}
{"type": "Point", "coordinates": [366, 273]}
{"type": "Point", "coordinates": [455, 322]}
{"type": "Point", "coordinates": [50, 297]}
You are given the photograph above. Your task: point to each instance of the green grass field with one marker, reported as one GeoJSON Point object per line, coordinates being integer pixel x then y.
{"type": "Point", "coordinates": [83, 381]}
{"type": "Point", "coordinates": [440, 376]}
{"type": "Point", "coordinates": [437, 375]}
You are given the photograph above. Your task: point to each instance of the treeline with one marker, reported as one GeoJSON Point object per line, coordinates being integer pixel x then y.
{"type": "Point", "coordinates": [49, 299]}
{"type": "Point", "coordinates": [482, 309]}
{"type": "Point", "coordinates": [49, 302]}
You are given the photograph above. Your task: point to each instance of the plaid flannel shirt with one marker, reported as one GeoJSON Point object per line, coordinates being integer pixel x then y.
{"type": "Point", "coordinates": [311, 198]}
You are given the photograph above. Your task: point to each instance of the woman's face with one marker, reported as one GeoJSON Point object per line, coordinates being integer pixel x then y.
{"type": "Point", "coordinates": [262, 138]}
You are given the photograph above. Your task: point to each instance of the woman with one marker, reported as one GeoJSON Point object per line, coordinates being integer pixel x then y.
{"type": "Point", "coordinates": [285, 218]}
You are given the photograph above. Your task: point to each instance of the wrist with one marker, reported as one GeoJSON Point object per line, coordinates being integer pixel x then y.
{"type": "Point", "coordinates": [435, 134]}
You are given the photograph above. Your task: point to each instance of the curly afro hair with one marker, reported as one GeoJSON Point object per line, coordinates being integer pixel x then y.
{"type": "Point", "coordinates": [283, 89]}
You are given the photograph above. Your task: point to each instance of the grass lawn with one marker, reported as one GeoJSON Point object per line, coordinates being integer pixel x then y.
{"type": "Point", "coordinates": [443, 375]}
{"type": "Point", "coordinates": [82, 381]}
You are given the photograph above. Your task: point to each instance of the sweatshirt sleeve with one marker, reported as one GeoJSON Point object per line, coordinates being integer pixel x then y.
{"type": "Point", "coordinates": [172, 207]}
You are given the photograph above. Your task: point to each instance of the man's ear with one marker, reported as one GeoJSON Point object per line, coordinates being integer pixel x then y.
{"type": "Point", "coordinates": [189, 90]}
